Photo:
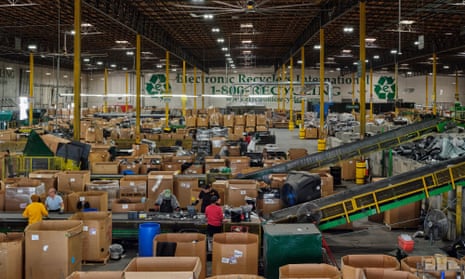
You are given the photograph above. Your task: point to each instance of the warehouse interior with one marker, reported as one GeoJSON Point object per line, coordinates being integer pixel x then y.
{"type": "Point", "coordinates": [328, 136]}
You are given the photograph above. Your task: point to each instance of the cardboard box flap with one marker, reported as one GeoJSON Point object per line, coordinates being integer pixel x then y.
{"type": "Point", "coordinates": [71, 227]}
{"type": "Point", "coordinates": [98, 215]}
{"type": "Point", "coordinates": [308, 271]}
{"type": "Point", "coordinates": [352, 265]}
{"type": "Point", "coordinates": [96, 275]}
{"type": "Point", "coordinates": [235, 238]}
{"type": "Point", "coordinates": [191, 264]}
{"type": "Point", "coordinates": [181, 237]}
{"type": "Point", "coordinates": [159, 275]}
{"type": "Point", "coordinates": [380, 273]}
{"type": "Point", "coordinates": [44, 174]}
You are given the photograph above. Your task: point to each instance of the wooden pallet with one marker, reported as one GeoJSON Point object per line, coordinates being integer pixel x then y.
{"type": "Point", "coordinates": [97, 262]}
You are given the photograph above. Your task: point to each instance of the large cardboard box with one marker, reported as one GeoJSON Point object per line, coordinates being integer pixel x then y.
{"type": "Point", "coordinates": [304, 271]}
{"type": "Point", "coordinates": [261, 120]}
{"type": "Point", "coordinates": [53, 249]}
{"type": "Point", "coordinates": [18, 194]}
{"type": "Point", "coordinates": [96, 275]}
{"type": "Point", "coordinates": [133, 186]}
{"type": "Point", "coordinates": [194, 169]}
{"type": "Point", "coordinates": [327, 184]}
{"type": "Point", "coordinates": [127, 204]}
{"type": "Point", "coordinates": [158, 181]}
{"type": "Point", "coordinates": [403, 217]}
{"type": "Point", "coordinates": [2, 200]}
{"type": "Point", "coordinates": [239, 120]}
{"type": "Point", "coordinates": [410, 264]}
{"type": "Point", "coordinates": [139, 267]}
{"type": "Point", "coordinates": [191, 121]}
{"type": "Point", "coordinates": [73, 181]}
{"type": "Point", "coordinates": [267, 205]}
{"type": "Point", "coordinates": [183, 186]}
{"type": "Point", "coordinates": [109, 186]}
{"type": "Point", "coordinates": [171, 166]}
{"type": "Point", "coordinates": [238, 164]}
{"type": "Point", "coordinates": [11, 255]}
{"type": "Point", "coordinates": [151, 163]}
{"type": "Point", "coordinates": [214, 164]}
{"type": "Point", "coordinates": [236, 276]}
{"type": "Point", "coordinates": [238, 190]}
{"type": "Point", "coordinates": [99, 156]}
{"type": "Point", "coordinates": [379, 273]}
{"type": "Point", "coordinates": [104, 167]}
{"type": "Point", "coordinates": [235, 253]}
{"type": "Point", "coordinates": [311, 133]}
{"type": "Point", "coordinates": [96, 234]}
{"type": "Point", "coordinates": [187, 245]}
{"type": "Point", "coordinates": [96, 199]}
{"type": "Point", "coordinates": [250, 120]}
{"type": "Point", "coordinates": [228, 120]}
{"type": "Point", "coordinates": [348, 169]}
{"type": "Point", "coordinates": [48, 177]}
{"type": "Point", "coordinates": [352, 265]}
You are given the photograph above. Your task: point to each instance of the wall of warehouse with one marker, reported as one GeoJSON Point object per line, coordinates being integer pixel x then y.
{"type": "Point", "coordinates": [14, 85]}
{"type": "Point", "coordinates": [234, 88]}
{"type": "Point", "coordinates": [222, 88]}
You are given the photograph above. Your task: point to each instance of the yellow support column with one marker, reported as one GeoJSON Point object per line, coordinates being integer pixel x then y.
{"type": "Point", "coordinates": [321, 138]}
{"type": "Point", "coordinates": [184, 97]}
{"type": "Point", "coordinates": [195, 89]}
{"type": "Point", "coordinates": [138, 88]}
{"type": "Point", "coordinates": [127, 91]}
{"type": "Point", "coordinates": [302, 95]}
{"type": "Point", "coordinates": [458, 211]}
{"type": "Point", "coordinates": [167, 90]}
{"type": "Point", "coordinates": [105, 90]}
{"type": "Point", "coordinates": [31, 89]}
{"type": "Point", "coordinates": [291, 95]}
{"type": "Point", "coordinates": [434, 84]}
{"type": "Point", "coordinates": [77, 71]}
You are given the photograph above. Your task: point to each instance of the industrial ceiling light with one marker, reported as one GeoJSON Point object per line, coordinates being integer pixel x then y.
{"type": "Point", "coordinates": [122, 42]}
{"type": "Point", "coordinates": [224, 49]}
{"type": "Point", "coordinates": [246, 41]}
{"type": "Point", "coordinates": [129, 53]}
{"type": "Point", "coordinates": [348, 29]}
{"type": "Point", "coordinates": [32, 47]}
{"type": "Point", "coordinates": [99, 63]}
{"type": "Point", "coordinates": [208, 16]}
{"type": "Point", "coordinates": [220, 40]}
{"type": "Point", "coordinates": [87, 60]}
{"type": "Point", "coordinates": [346, 51]}
{"type": "Point", "coordinates": [393, 51]}
{"type": "Point", "coordinates": [316, 47]}
{"type": "Point", "coordinates": [215, 29]}
{"type": "Point", "coordinates": [113, 66]}
{"type": "Point", "coordinates": [159, 66]}
{"type": "Point", "coordinates": [124, 68]}
{"type": "Point", "coordinates": [9, 68]}
{"type": "Point", "coordinates": [227, 54]}
{"type": "Point", "coordinates": [407, 22]}
{"type": "Point", "coordinates": [375, 57]}
{"type": "Point", "coordinates": [445, 67]}
{"type": "Point", "coordinates": [370, 40]}
{"type": "Point", "coordinates": [246, 25]}
{"type": "Point", "coordinates": [86, 25]}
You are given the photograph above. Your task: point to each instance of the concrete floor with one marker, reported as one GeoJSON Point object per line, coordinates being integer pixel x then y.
{"type": "Point", "coordinates": [365, 238]}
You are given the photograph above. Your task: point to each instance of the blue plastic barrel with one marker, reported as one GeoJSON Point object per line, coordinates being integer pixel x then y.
{"type": "Point", "coordinates": [147, 231]}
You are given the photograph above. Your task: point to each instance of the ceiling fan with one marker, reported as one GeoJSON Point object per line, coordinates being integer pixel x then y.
{"type": "Point", "coordinates": [17, 3]}
{"type": "Point", "coordinates": [247, 6]}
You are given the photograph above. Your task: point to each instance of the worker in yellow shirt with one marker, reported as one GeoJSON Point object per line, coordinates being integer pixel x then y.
{"type": "Point", "coordinates": [35, 210]}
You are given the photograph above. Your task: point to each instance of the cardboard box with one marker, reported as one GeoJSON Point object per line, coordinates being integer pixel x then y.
{"type": "Point", "coordinates": [347, 169]}
{"type": "Point", "coordinates": [239, 130]}
{"type": "Point", "coordinates": [183, 189]}
{"type": "Point", "coordinates": [311, 133]}
{"type": "Point", "coordinates": [327, 184]}
{"type": "Point", "coordinates": [48, 177]}
{"type": "Point", "coordinates": [171, 166]}
{"type": "Point", "coordinates": [158, 181]}
{"type": "Point", "coordinates": [249, 129]}
{"type": "Point", "coordinates": [379, 273]}
{"type": "Point", "coordinates": [73, 181]}
{"type": "Point", "coordinates": [236, 276]}
{"type": "Point", "coordinates": [202, 121]}
{"type": "Point", "coordinates": [214, 164]}
{"type": "Point", "coordinates": [309, 271]}
{"type": "Point", "coordinates": [228, 120]}
{"type": "Point", "coordinates": [250, 120]}
{"type": "Point", "coordinates": [109, 186]}
{"type": "Point", "coordinates": [183, 159]}
{"type": "Point", "coordinates": [406, 216]}
{"type": "Point", "coordinates": [235, 253]}
{"type": "Point", "coordinates": [127, 204]}
{"type": "Point", "coordinates": [96, 234]}
{"type": "Point", "coordinates": [53, 249]}
{"type": "Point", "coordinates": [151, 163]}
{"type": "Point", "coordinates": [11, 255]}
{"type": "Point", "coordinates": [96, 275]}
{"type": "Point", "coordinates": [143, 267]}
{"type": "Point", "coordinates": [352, 265]}
{"type": "Point", "coordinates": [295, 153]}
{"type": "Point", "coordinates": [265, 206]}
{"type": "Point", "coordinates": [194, 169]}
{"type": "Point", "coordinates": [239, 120]}
{"type": "Point", "coordinates": [140, 149]}
{"type": "Point", "coordinates": [409, 264]}
{"type": "Point", "coordinates": [234, 150]}
{"type": "Point", "coordinates": [129, 167]}
{"type": "Point", "coordinates": [237, 164]}
{"type": "Point", "coordinates": [261, 128]}
{"type": "Point", "coordinates": [104, 167]}
{"type": "Point", "coordinates": [99, 156]}
{"type": "Point", "coordinates": [277, 180]}
{"type": "Point", "coordinates": [187, 245]}
{"type": "Point", "coordinates": [18, 194]}
{"type": "Point", "coordinates": [261, 120]}
{"type": "Point", "coordinates": [2, 200]}
{"type": "Point", "coordinates": [238, 190]}
{"type": "Point", "coordinates": [96, 199]}
{"type": "Point", "coordinates": [133, 186]}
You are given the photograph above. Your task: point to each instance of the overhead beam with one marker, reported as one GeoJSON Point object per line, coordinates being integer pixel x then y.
{"type": "Point", "coordinates": [125, 14]}
{"type": "Point", "coordinates": [337, 10]}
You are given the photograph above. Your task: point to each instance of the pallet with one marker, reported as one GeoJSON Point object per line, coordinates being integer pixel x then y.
{"type": "Point", "coordinates": [97, 262]}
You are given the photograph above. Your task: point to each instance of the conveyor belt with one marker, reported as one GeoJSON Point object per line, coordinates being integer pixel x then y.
{"type": "Point", "coordinates": [386, 194]}
{"type": "Point", "coordinates": [370, 144]}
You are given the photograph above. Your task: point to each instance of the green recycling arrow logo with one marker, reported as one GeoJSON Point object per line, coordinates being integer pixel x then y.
{"type": "Point", "coordinates": [386, 88]}
{"type": "Point", "coordinates": [157, 85]}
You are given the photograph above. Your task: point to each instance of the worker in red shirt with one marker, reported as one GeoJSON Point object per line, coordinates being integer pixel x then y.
{"type": "Point", "coordinates": [214, 215]}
